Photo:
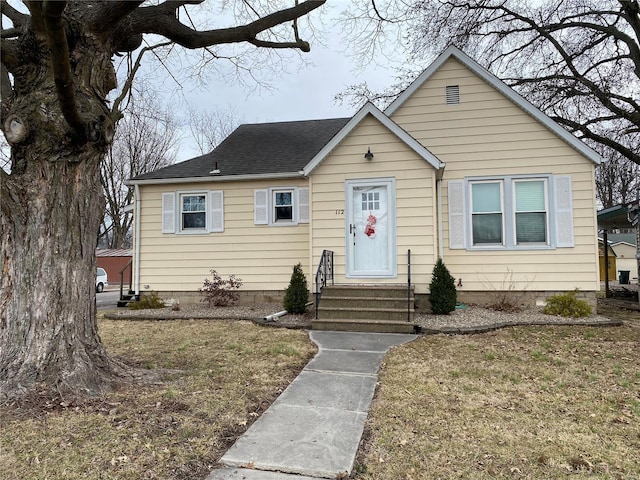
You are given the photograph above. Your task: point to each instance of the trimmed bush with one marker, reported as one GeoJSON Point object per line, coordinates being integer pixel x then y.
{"type": "Point", "coordinates": [442, 290]}
{"type": "Point", "coordinates": [567, 305]}
{"type": "Point", "coordinates": [297, 293]}
{"type": "Point", "coordinates": [147, 301]}
{"type": "Point", "coordinates": [220, 292]}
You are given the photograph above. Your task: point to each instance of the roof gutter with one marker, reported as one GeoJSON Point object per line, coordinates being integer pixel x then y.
{"type": "Point", "coordinates": [216, 178]}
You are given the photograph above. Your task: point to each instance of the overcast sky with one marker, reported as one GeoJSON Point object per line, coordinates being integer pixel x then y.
{"type": "Point", "coordinates": [301, 94]}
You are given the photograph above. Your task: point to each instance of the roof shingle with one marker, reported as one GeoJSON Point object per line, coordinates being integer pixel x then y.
{"type": "Point", "coordinates": [258, 149]}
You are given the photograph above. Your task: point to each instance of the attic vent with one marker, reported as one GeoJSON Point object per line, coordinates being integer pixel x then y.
{"type": "Point", "coordinates": [452, 94]}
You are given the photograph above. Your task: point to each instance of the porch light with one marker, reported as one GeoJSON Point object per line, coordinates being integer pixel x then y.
{"type": "Point", "coordinates": [368, 155]}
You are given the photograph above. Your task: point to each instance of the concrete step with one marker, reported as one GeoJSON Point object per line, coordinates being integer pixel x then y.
{"type": "Point", "coordinates": [359, 313]}
{"type": "Point", "coordinates": [371, 326]}
{"type": "Point", "coordinates": [395, 291]}
{"type": "Point", "coordinates": [365, 302]}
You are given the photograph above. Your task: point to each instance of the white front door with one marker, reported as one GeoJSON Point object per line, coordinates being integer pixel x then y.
{"type": "Point", "coordinates": [371, 228]}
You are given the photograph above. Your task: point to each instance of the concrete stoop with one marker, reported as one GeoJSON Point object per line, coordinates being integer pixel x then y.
{"type": "Point", "coordinates": [366, 308]}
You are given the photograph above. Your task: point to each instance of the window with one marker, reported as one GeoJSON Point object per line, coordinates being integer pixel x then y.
{"type": "Point", "coordinates": [370, 201]}
{"type": "Point", "coordinates": [530, 211]}
{"type": "Point", "coordinates": [193, 213]}
{"type": "Point", "coordinates": [281, 206]}
{"type": "Point", "coordinates": [486, 213]}
{"type": "Point", "coordinates": [512, 212]}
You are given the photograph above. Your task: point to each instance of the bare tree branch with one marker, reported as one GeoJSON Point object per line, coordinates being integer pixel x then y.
{"type": "Point", "coordinates": [57, 39]}
{"type": "Point", "coordinates": [126, 89]}
{"type": "Point", "coordinates": [17, 18]}
{"type": "Point", "coordinates": [5, 83]}
{"type": "Point", "coordinates": [156, 20]}
{"type": "Point", "coordinates": [107, 14]}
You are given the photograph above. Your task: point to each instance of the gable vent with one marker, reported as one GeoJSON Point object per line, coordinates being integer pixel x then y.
{"type": "Point", "coordinates": [452, 94]}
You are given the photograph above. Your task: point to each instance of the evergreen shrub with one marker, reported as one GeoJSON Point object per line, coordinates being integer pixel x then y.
{"type": "Point", "coordinates": [297, 293]}
{"type": "Point", "coordinates": [442, 290]}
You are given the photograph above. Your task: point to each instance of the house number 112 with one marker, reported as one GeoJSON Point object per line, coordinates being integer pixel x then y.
{"type": "Point", "coordinates": [340, 211]}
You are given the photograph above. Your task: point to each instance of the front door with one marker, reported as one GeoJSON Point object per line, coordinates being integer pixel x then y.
{"type": "Point", "coordinates": [370, 229]}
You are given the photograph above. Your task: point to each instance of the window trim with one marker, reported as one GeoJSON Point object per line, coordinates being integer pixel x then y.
{"type": "Point", "coordinates": [509, 226]}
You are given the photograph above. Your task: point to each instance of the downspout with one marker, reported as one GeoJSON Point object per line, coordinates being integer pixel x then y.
{"type": "Point", "coordinates": [136, 248]}
{"type": "Point", "coordinates": [439, 193]}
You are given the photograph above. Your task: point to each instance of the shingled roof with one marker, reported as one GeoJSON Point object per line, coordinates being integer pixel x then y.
{"type": "Point", "coordinates": [257, 149]}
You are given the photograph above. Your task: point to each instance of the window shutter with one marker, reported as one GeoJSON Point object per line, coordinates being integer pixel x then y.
{"type": "Point", "coordinates": [303, 205]}
{"type": "Point", "coordinates": [563, 211]}
{"type": "Point", "coordinates": [216, 211]}
{"type": "Point", "coordinates": [456, 214]}
{"type": "Point", "coordinates": [261, 207]}
{"type": "Point", "coordinates": [169, 212]}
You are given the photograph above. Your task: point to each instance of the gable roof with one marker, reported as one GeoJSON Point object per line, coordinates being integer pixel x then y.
{"type": "Point", "coordinates": [279, 149]}
{"type": "Point", "coordinates": [370, 109]}
{"type": "Point", "coordinates": [511, 94]}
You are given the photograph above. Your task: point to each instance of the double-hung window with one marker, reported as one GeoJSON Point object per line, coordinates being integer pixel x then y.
{"type": "Point", "coordinates": [282, 206]}
{"type": "Point", "coordinates": [531, 211]}
{"type": "Point", "coordinates": [193, 211]}
{"type": "Point", "coordinates": [487, 217]}
{"type": "Point", "coordinates": [511, 212]}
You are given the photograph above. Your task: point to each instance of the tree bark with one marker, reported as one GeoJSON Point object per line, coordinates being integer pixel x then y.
{"type": "Point", "coordinates": [48, 328]}
{"type": "Point", "coordinates": [51, 208]}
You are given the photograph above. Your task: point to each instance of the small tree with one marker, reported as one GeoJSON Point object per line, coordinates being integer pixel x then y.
{"type": "Point", "coordinates": [443, 290]}
{"type": "Point", "coordinates": [297, 293]}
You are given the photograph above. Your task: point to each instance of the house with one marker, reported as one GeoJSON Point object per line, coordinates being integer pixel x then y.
{"type": "Point", "coordinates": [114, 261]}
{"type": "Point", "coordinates": [609, 259]}
{"type": "Point", "coordinates": [620, 226]}
{"type": "Point", "coordinates": [624, 246]}
{"type": "Point", "coordinates": [459, 166]}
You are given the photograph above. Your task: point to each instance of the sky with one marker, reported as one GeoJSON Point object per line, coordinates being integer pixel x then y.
{"type": "Point", "coordinates": [302, 93]}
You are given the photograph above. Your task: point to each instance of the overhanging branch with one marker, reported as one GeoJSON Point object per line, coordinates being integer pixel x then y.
{"type": "Point", "coordinates": [57, 40]}
{"type": "Point", "coordinates": [17, 18]}
{"type": "Point", "coordinates": [156, 20]}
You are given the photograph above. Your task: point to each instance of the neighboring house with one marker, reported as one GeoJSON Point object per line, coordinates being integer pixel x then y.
{"type": "Point", "coordinates": [113, 260]}
{"type": "Point", "coordinates": [611, 260]}
{"type": "Point", "coordinates": [624, 246]}
{"type": "Point", "coordinates": [459, 166]}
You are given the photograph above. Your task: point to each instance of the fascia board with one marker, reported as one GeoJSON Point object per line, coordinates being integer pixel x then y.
{"type": "Point", "coordinates": [370, 109]}
{"type": "Point", "coordinates": [216, 178]}
{"type": "Point", "coordinates": [503, 88]}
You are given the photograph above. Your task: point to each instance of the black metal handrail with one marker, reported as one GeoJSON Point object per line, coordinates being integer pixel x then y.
{"type": "Point", "coordinates": [324, 273]}
{"type": "Point", "coordinates": [127, 265]}
{"type": "Point", "coordinates": [409, 285]}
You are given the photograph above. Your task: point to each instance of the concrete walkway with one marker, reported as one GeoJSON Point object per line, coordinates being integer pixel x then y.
{"type": "Point", "coordinates": [314, 428]}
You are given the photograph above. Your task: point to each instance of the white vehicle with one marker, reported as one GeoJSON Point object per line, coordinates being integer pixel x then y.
{"type": "Point", "coordinates": [101, 280]}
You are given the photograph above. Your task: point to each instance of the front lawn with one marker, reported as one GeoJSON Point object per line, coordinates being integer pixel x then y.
{"type": "Point", "coordinates": [222, 375]}
{"type": "Point", "coordinates": [524, 402]}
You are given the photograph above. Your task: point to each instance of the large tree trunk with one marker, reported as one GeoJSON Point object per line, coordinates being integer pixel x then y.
{"type": "Point", "coordinates": [50, 211]}
{"type": "Point", "coordinates": [48, 329]}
